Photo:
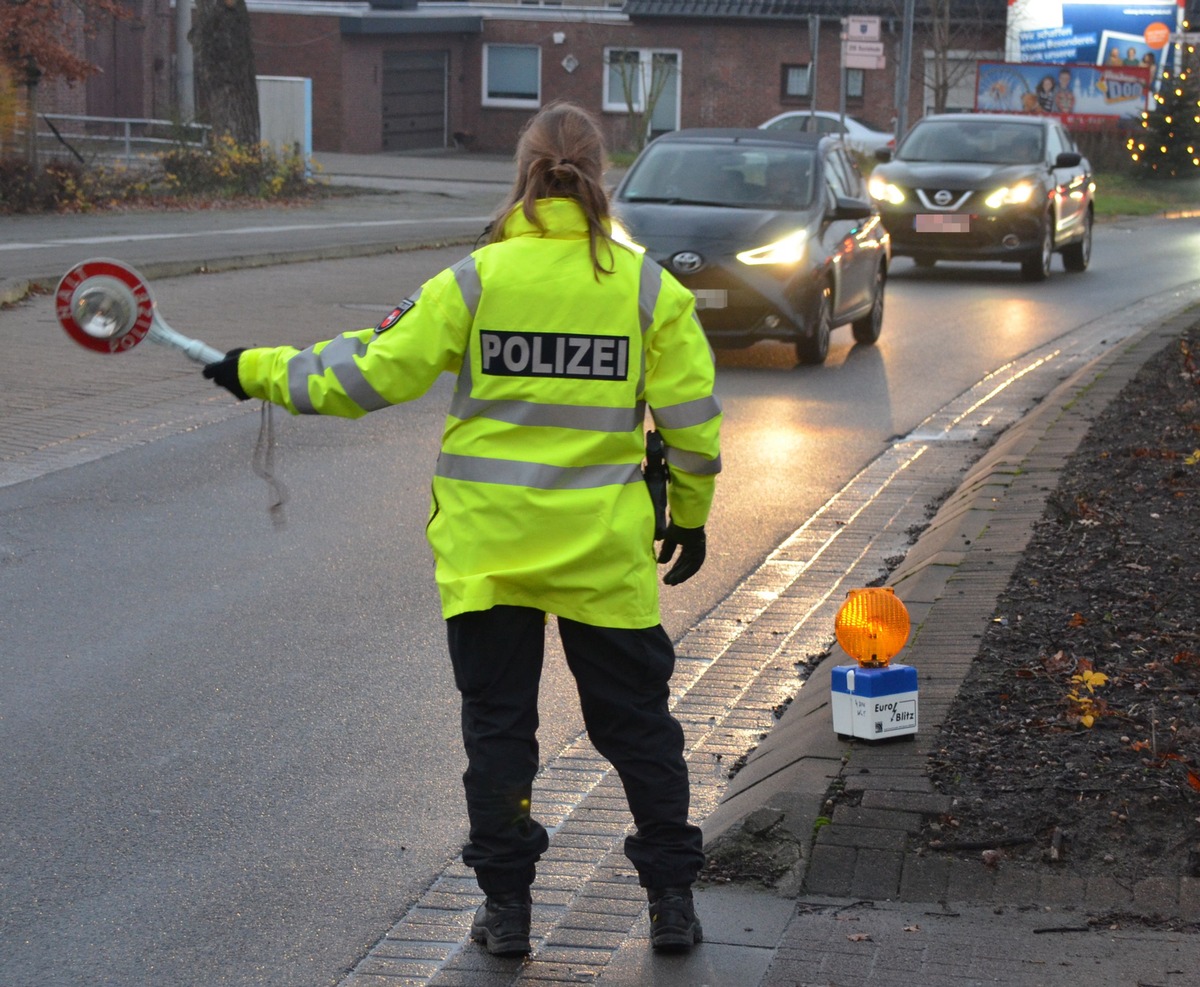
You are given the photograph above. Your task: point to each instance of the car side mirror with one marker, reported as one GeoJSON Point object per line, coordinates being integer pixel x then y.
{"type": "Point", "coordinates": [846, 207]}
{"type": "Point", "coordinates": [883, 154]}
{"type": "Point", "coordinates": [1068, 159]}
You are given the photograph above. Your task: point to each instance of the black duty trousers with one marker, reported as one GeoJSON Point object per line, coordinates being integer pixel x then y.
{"type": "Point", "coordinates": [623, 680]}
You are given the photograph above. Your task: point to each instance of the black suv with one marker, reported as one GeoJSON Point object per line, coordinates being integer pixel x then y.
{"type": "Point", "coordinates": [987, 186]}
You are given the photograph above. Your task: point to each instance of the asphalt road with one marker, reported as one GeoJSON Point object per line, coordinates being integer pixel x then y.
{"type": "Point", "coordinates": [228, 750]}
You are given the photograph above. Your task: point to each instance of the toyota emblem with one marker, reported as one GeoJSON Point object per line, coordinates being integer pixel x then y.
{"type": "Point", "coordinates": [943, 197]}
{"type": "Point", "coordinates": [687, 262]}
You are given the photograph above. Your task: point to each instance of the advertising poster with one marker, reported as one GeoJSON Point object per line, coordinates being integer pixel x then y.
{"type": "Point", "coordinates": [1113, 33]}
{"type": "Point", "coordinates": [1081, 95]}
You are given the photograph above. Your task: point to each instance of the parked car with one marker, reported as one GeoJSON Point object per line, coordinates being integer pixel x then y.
{"type": "Point", "coordinates": [988, 187]}
{"type": "Point", "coordinates": [771, 230]}
{"type": "Point", "coordinates": [855, 134]}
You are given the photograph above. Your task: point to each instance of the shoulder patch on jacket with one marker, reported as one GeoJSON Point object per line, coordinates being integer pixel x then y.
{"type": "Point", "coordinates": [395, 315]}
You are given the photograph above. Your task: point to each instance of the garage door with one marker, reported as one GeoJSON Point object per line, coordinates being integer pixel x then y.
{"type": "Point", "coordinates": [414, 100]}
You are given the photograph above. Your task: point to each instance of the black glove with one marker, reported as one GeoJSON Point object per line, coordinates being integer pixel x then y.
{"type": "Point", "coordinates": [224, 373]}
{"type": "Point", "coordinates": [690, 542]}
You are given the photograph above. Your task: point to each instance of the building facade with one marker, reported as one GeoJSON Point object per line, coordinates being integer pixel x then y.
{"type": "Point", "coordinates": [396, 75]}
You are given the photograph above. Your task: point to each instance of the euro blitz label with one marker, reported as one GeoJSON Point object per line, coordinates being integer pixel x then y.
{"type": "Point", "coordinates": [874, 703]}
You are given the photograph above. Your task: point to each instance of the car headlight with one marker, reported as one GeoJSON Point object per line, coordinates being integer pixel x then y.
{"type": "Point", "coordinates": [789, 250]}
{"type": "Point", "coordinates": [1010, 195]}
{"type": "Point", "coordinates": [885, 191]}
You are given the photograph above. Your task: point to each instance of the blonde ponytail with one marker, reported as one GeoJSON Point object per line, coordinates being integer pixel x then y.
{"type": "Point", "coordinates": [560, 154]}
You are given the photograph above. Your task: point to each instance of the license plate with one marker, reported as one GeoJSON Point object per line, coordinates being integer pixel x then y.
{"type": "Point", "coordinates": [942, 223]}
{"type": "Point", "coordinates": [711, 297]}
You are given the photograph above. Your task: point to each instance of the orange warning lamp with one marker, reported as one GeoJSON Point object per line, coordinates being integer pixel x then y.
{"type": "Point", "coordinates": [872, 626]}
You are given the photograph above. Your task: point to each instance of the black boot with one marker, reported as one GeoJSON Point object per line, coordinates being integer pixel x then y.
{"type": "Point", "coordinates": [673, 922]}
{"type": "Point", "coordinates": [502, 923]}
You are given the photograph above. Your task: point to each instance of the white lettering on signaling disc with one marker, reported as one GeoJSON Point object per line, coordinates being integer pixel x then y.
{"type": "Point", "coordinates": [554, 354]}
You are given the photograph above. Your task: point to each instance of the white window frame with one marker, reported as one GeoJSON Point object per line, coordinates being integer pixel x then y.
{"type": "Point", "coordinates": [615, 102]}
{"type": "Point", "coordinates": [510, 101]}
{"type": "Point", "coordinates": [856, 79]}
{"type": "Point", "coordinates": [806, 72]}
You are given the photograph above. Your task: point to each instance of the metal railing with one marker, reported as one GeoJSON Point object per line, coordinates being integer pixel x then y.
{"type": "Point", "coordinates": [121, 139]}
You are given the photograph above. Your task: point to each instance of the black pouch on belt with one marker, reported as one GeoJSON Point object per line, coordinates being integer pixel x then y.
{"type": "Point", "coordinates": [656, 474]}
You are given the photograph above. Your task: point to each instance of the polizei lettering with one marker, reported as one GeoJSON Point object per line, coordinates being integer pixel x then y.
{"type": "Point", "coordinates": [554, 354]}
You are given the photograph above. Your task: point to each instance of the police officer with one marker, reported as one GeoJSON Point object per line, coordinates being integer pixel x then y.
{"type": "Point", "coordinates": [560, 335]}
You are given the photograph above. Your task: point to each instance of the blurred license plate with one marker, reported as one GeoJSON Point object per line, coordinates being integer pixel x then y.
{"type": "Point", "coordinates": [942, 223]}
{"type": "Point", "coordinates": [711, 297]}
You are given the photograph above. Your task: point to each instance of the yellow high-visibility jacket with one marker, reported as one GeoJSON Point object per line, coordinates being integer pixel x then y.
{"type": "Point", "coordinates": [538, 498]}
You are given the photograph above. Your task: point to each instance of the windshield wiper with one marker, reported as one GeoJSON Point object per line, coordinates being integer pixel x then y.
{"type": "Point", "coordinates": [677, 201]}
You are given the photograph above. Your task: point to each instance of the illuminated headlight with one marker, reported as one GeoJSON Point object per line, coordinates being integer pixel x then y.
{"type": "Point", "coordinates": [1010, 196]}
{"type": "Point", "coordinates": [885, 191]}
{"type": "Point", "coordinates": [789, 250]}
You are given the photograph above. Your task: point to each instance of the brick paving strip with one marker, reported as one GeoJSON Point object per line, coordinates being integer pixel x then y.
{"type": "Point", "coordinates": [733, 670]}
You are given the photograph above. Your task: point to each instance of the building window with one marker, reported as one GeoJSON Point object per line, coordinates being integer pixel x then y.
{"type": "Point", "coordinates": [797, 82]}
{"type": "Point", "coordinates": [512, 75]}
{"type": "Point", "coordinates": [633, 75]}
{"type": "Point", "coordinates": [855, 83]}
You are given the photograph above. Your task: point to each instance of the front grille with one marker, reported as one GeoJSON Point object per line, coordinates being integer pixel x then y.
{"type": "Point", "coordinates": [958, 199]}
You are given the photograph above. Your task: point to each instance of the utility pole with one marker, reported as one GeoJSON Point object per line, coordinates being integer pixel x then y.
{"type": "Point", "coordinates": [814, 43]}
{"type": "Point", "coordinates": [185, 79]}
{"type": "Point", "coordinates": [904, 71]}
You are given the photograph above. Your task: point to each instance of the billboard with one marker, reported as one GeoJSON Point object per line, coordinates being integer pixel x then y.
{"type": "Point", "coordinates": [1081, 95]}
{"type": "Point", "coordinates": [1124, 33]}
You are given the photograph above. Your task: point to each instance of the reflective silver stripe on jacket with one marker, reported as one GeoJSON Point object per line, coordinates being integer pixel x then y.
{"type": "Point", "coordinates": [688, 413]}
{"type": "Point", "coordinates": [583, 418]}
{"type": "Point", "coordinates": [480, 469]}
{"type": "Point", "coordinates": [649, 285]}
{"type": "Point", "coordinates": [469, 286]}
{"type": "Point", "coordinates": [694, 463]}
{"type": "Point", "coordinates": [338, 356]}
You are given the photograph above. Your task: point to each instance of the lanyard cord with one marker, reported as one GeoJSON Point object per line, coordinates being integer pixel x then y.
{"type": "Point", "coordinates": [263, 464]}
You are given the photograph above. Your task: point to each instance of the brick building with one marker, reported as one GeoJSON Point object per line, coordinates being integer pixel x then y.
{"type": "Point", "coordinates": [392, 75]}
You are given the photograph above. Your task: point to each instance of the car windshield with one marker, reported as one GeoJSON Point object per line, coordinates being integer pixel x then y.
{"type": "Point", "coordinates": [985, 142]}
{"type": "Point", "coordinates": [740, 177]}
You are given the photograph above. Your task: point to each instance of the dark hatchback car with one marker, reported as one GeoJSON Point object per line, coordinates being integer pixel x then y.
{"type": "Point", "coordinates": [987, 187]}
{"type": "Point", "coordinates": [772, 231]}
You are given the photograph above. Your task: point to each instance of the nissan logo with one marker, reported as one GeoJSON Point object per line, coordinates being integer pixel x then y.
{"type": "Point", "coordinates": [943, 197]}
{"type": "Point", "coordinates": [687, 262]}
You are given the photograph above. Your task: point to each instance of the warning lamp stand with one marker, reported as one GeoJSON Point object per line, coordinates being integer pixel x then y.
{"type": "Point", "coordinates": [874, 703]}
{"type": "Point", "coordinates": [875, 699]}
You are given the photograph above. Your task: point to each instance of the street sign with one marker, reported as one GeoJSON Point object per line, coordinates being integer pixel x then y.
{"type": "Point", "coordinates": [1186, 38]}
{"type": "Point", "coordinates": [862, 54]}
{"type": "Point", "coordinates": [863, 48]}
{"type": "Point", "coordinates": [864, 62]}
{"type": "Point", "coordinates": [862, 28]}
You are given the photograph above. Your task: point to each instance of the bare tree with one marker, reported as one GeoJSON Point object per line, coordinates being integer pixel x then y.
{"type": "Point", "coordinates": [226, 92]}
{"type": "Point", "coordinates": [948, 28]}
{"type": "Point", "coordinates": [642, 86]}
